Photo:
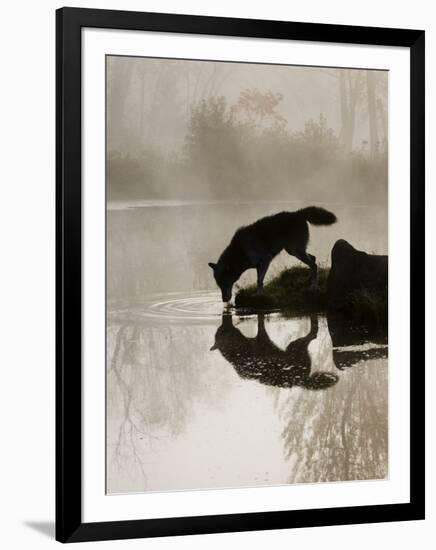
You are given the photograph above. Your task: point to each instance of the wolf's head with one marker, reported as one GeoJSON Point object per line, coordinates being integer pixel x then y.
{"type": "Point", "coordinates": [224, 278]}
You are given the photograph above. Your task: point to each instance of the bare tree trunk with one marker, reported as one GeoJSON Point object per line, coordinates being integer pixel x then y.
{"type": "Point", "coordinates": [345, 119]}
{"type": "Point", "coordinates": [153, 102]}
{"type": "Point", "coordinates": [372, 115]}
{"type": "Point", "coordinates": [353, 87]}
{"type": "Point", "coordinates": [118, 85]}
{"type": "Point", "coordinates": [381, 111]}
{"type": "Point", "coordinates": [349, 94]}
{"type": "Point", "coordinates": [141, 107]}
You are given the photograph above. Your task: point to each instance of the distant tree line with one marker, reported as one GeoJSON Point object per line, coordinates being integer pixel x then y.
{"type": "Point", "coordinates": [245, 151]}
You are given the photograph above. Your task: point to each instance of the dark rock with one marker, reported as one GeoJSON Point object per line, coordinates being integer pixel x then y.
{"type": "Point", "coordinates": [353, 344]}
{"type": "Point", "coordinates": [355, 271]}
{"type": "Point", "coordinates": [344, 333]}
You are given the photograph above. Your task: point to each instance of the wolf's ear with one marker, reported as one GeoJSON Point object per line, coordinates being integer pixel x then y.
{"type": "Point", "coordinates": [212, 265]}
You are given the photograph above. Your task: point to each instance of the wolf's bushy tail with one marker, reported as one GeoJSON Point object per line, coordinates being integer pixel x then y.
{"type": "Point", "coordinates": [317, 216]}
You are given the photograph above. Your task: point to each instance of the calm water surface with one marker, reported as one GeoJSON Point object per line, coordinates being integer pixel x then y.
{"type": "Point", "coordinates": [202, 396]}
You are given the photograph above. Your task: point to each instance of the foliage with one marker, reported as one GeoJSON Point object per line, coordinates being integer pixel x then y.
{"type": "Point", "coordinates": [368, 308]}
{"type": "Point", "coordinates": [257, 107]}
{"type": "Point", "coordinates": [214, 144]}
{"type": "Point", "coordinates": [290, 292]}
{"type": "Point", "coordinates": [317, 144]}
{"type": "Point", "coordinates": [142, 175]}
{"type": "Point", "coordinates": [246, 151]}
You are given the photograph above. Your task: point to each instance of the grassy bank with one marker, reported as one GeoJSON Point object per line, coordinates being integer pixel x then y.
{"type": "Point", "coordinates": [368, 308]}
{"type": "Point", "coordinates": [291, 293]}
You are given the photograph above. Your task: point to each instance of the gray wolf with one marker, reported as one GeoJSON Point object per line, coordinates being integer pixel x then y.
{"type": "Point", "coordinates": [255, 245]}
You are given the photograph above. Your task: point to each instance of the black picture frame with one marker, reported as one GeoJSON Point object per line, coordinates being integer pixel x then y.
{"type": "Point", "coordinates": [69, 525]}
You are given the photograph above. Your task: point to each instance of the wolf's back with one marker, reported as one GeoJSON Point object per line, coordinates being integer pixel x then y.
{"type": "Point", "coordinates": [317, 216]}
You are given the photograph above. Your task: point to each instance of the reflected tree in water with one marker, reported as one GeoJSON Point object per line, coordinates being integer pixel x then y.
{"type": "Point", "coordinates": [340, 434]}
{"type": "Point", "coordinates": [337, 434]}
{"type": "Point", "coordinates": [161, 376]}
{"type": "Point", "coordinates": [153, 378]}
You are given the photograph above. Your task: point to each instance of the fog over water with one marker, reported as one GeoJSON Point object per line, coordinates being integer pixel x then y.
{"type": "Point", "coordinates": [199, 396]}
{"type": "Point", "coordinates": [167, 248]}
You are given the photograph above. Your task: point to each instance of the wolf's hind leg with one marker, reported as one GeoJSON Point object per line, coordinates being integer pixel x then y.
{"type": "Point", "coordinates": [262, 268]}
{"type": "Point", "coordinates": [310, 261]}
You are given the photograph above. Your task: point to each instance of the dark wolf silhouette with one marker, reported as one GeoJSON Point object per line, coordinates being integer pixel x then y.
{"type": "Point", "coordinates": [260, 359]}
{"type": "Point", "coordinates": [255, 245]}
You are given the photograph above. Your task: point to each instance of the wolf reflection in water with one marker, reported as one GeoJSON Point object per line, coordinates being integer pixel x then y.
{"type": "Point", "coordinates": [282, 400]}
{"type": "Point", "coordinates": [261, 359]}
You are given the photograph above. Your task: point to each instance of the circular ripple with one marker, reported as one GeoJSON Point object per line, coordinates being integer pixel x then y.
{"type": "Point", "coordinates": [175, 307]}
{"type": "Point", "coordinates": [195, 306]}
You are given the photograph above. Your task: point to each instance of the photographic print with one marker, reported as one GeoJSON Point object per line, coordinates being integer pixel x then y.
{"type": "Point", "coordinates": [247, 274]}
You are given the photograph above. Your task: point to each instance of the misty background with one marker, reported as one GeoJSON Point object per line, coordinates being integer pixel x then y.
{"type": "Point", "coordinates": [213, 130]}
